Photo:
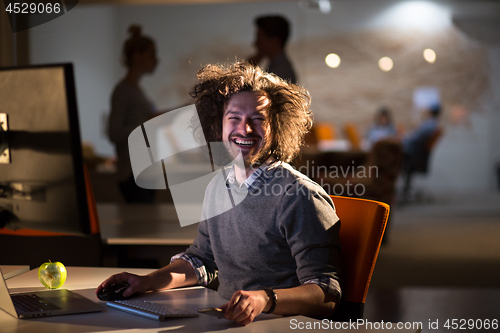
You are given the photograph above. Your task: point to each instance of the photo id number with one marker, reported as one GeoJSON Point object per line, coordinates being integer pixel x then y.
{"type": "Point", "coordinates": [33, 8]}
{"type": "Point", "coordinates": [471, 324]}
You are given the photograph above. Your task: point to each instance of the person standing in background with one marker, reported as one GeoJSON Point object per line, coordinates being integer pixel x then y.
{"type": "Point", "coordinates": [130, 108]}
{"type": "Point", "coordinates": [270, 40]}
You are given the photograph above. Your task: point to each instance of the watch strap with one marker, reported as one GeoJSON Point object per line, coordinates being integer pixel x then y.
{"type": "Point", "coordinates": [274, 298]}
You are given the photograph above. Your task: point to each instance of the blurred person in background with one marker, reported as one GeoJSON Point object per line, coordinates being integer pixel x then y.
{"type": "Point", "coordinates": [417, 146]}
{"type": "Point", "coordinates": [420, 136]}
{"type": "Point", "coordinates": [382, 127]}
{"type": "Point", "coordinates": [130, 107]}
{"type": "Point", "coordinates": [270, 40]}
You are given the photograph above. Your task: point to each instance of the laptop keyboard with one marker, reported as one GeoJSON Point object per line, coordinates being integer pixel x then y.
{"type": "Point", "coordinates": [150, 310]}
{"type": "Point", "coordinates": [33, 303]}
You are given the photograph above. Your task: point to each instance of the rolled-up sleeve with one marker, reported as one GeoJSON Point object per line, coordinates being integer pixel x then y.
{"type": "Point", "coordinates": [197, 264]}
{"type": "Point", "coordinates": [329, 285]}
{"type": "Point", "coordinates": [200, 256]}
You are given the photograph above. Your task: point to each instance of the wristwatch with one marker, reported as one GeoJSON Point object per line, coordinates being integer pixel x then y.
{"type": "Point", "coordinates": [272, 295]}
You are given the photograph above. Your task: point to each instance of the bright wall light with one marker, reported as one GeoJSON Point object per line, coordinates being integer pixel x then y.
{"type": "Point", "coordinates": [429, 56]}
{"type": "Point", "coordinates": [421, 15]}
{"type": "Point", "coordinates": [325, 6]}
{"type": "Point", "coordinates": [332, 60]}
{"type": "Point", "coordinates": [385, 64]}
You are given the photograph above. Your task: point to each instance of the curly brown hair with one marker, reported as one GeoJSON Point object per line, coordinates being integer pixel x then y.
{"type": "Point", "coordinates": [290, 117]}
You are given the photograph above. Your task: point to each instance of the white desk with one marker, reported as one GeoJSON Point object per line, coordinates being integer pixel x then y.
{"type": "Point", "coordinates": [10, 271]}
{"type": "Point", "coordinates": [84, 280]}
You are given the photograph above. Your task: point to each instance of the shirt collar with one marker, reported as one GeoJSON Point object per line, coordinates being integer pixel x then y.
{"type": "Point", "coordinates": [231, 176]}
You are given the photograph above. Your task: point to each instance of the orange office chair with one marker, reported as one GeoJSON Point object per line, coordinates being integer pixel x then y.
{"type": "Point", "coordinates": [325, 131]}
{"type": "Point", "coordinates": [362, 227]}
{"type": "Point", "coordinates": [353, 136]}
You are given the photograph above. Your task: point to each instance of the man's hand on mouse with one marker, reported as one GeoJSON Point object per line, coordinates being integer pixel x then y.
{"type": "Point", "coordinates": [138, 284]}
{"type": "Point", "coordinates": [244, 306]}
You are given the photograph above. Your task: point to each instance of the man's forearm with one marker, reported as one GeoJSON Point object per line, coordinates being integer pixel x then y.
{"type": "Point", "coordinates": [177, 274]}
{"type": "Point", "coordinates": [308, 299]}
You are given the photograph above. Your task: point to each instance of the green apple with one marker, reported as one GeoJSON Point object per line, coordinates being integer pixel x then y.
{"type": "Point", "coordinates": [52, 274]}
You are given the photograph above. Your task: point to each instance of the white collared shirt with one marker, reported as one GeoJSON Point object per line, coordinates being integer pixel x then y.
{"type": "Point", "coordinates": [231, 175]}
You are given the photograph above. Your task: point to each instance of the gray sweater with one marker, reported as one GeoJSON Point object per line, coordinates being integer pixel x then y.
{"type": "Point", "coordinates": [282, 234]}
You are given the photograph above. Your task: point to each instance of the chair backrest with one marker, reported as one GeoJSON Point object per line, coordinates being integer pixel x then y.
{"type": "Point", "coordinates": [431, 142]}
{"type": "Point", "coordinates": [420, 160]}
{"type": "Point", "coordinates": [362, 228]}
{"type": "Point", "coordinates": [353, 136]}
{"type": "Point", "coordinates": [384, 163]}
{"type": "Point", "coordinates": [325, 131]}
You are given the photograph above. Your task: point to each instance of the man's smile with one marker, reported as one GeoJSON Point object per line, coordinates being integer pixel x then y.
{"type": "Point", "coordinates": [245, 142]}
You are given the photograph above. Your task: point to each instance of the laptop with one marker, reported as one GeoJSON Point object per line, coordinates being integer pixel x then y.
{"type": "Point", "coordinates": [44, 303]}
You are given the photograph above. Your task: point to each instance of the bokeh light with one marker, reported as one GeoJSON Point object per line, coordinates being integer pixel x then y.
{"type": "Point", "coordinates": [430, 56]}
{"type": "Point", "coordinates": [332, 60]}
{"type": "Point", "coordinates": [385, 64]}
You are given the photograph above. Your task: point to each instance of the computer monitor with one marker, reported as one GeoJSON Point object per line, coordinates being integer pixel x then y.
{"type": "Point", "coordinates": [42, 183]}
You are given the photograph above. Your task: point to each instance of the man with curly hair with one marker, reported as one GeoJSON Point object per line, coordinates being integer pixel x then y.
{"type": "Point", "coordinates": [278, 250]}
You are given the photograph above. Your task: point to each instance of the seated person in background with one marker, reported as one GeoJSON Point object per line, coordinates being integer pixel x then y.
{"type": "Point", "coordinates": [420, 136]}
{"type": "Point", "coordinates": [416, 145]}
{"type": "Point", "coordinates": [382, 128]}
{"type": "Point", "coordinates": [270, 40]}
{"type": "Point", "coordinates": [281, 242]}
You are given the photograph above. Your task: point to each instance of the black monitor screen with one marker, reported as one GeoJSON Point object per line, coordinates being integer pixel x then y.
{"type": "Point", "coordinates": [41, 172]}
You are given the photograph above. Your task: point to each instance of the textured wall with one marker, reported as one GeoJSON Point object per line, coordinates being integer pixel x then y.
{"type": "Point", "coordinates": [359, 31]}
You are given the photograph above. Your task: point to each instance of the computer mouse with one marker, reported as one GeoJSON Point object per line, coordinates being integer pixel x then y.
{"type": "Point", "coordinates": [114, 292]}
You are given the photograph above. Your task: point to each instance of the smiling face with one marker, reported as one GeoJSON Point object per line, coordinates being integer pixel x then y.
{"type": "Point", "coordinates": [245, 127]}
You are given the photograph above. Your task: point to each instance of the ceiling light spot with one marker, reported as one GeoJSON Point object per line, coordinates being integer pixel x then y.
{"type": "Point", "coordinates": [430, 56]}
{"type": "Point", "coordinates": [385, 64]}
{"type": "Point", "coordinates": [332, 60]}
